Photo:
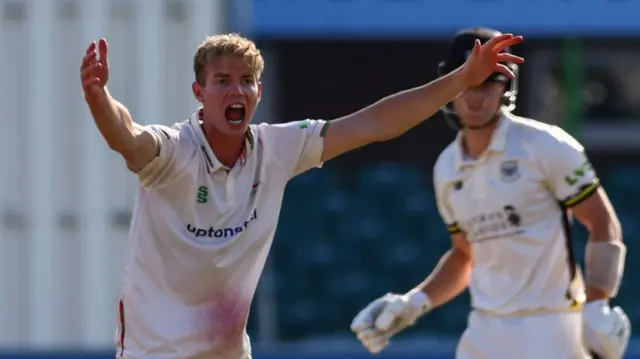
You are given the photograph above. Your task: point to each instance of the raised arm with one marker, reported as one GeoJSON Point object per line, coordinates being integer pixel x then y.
{"type": "Point", "coordinates": [137, 146]}
{"type": "Point", "coordinates": [396, 114]}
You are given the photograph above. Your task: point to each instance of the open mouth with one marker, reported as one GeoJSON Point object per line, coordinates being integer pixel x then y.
{"type": "Point", "coordinates": [235, 113]}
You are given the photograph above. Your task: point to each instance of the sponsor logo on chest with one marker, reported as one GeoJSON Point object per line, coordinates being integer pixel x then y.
{"type": "Point", "coordinates": [223, 232]}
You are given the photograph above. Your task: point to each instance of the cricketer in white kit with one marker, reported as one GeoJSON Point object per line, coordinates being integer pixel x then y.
{"type": "Point", "coordinates": [507, 188]}
{"type": "Point", "coordinates": [211, 189]}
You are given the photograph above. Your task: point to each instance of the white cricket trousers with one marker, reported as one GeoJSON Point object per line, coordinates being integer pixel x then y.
{"type": "Point", "coordinates": [544, 336]}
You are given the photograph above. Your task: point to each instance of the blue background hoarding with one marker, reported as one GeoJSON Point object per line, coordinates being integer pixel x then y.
{"type": "Point", "coordinates": [431, 18]}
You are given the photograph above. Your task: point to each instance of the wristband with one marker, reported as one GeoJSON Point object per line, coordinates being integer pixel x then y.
{"type": "Point", "coordinates": [419, 301]}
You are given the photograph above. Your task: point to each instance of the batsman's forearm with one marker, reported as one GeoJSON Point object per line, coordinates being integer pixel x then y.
{"type": "Point", "coordinates": [398, 113]}
{"type": "Point", "coordinates": [592, 292]}
{"type": "Point", "coordinates": [114, 122]}
{"type": "Point", "coordinates": [604, 259]}
{"type": "Point", "coordinates": [448, 279]}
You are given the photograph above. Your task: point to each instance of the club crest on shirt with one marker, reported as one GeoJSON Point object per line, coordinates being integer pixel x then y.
{"type": "Point", "coordinates": [202, 196]}
{"type": "Point", "coordinates": [509, 171]}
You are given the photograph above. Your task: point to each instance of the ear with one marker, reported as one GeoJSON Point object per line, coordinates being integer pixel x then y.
{"type": "Point", "coordinates": [259, 91]}
{"type": "Point", "coordinates": [197, 91]}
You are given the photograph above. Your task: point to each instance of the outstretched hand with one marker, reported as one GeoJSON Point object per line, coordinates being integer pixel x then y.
{"type": "Point", "coordinates": [94, 71]}
{"type": "Point", "coordinates": [488, 58]}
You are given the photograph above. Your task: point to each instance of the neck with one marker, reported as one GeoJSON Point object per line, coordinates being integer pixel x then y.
{"type": "Point", "coordinates": [475, 142]}
{"type": "Point", "coordinates": [226, 148]}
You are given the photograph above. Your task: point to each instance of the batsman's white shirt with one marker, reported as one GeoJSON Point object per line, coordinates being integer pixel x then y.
{"type": "Point", "coordinates": [513, 204]}
{"type": "Point", "coordinates": [200, 236]}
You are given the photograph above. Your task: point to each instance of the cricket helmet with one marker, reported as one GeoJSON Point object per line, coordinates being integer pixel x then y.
{"type": "Point", "coordinates": [459, 50]}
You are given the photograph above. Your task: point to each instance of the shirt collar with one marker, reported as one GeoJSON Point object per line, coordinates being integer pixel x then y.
{"type": "Point", "coordinates": [212, 162]}
{"type": "Point", "coordinates": [498, 142]}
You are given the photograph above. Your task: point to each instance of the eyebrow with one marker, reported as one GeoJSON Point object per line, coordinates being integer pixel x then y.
{"type": "Point", "coordinates": [226, 75]}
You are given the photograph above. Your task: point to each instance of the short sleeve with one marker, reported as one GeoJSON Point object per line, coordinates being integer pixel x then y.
{"type": "Point", "coordinates": [164, 166]}
{"type": "Point", "coordinates": [571, 176]}
{"type": "Point", "coordinates": [298, 145]}
{"type": "Point", "coordinates": [441, 189]}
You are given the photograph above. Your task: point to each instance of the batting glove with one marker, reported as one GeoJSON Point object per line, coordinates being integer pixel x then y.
{"type": "Point", "coordinates": [606, 330]}
{"type": "Point", "coordinates": [384, 317]}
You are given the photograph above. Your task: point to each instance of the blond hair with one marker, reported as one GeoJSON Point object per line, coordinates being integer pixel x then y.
{"type": "Point", "coordinates": [230, 44]}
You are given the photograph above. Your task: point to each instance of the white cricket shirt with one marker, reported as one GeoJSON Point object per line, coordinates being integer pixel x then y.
{"type": "Point", "coordinates": [200, 236]}
{"type": "Point", "coordinates": [512, 203]}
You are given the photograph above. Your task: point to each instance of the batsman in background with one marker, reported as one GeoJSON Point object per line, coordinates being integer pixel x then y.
{"type": "Point", "coordinates": [507, 189]}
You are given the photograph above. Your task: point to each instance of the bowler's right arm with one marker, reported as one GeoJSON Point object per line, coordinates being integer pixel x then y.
{"type": "Point", "coordinates": [149, 151]}
{"type": "Point", "coordinates": [137, 146]}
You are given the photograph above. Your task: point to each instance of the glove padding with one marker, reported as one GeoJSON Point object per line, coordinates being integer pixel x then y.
{"type": "Point", "coordinates": [384, 317]}
{"type": "Point", "coordinates": [606, 330]}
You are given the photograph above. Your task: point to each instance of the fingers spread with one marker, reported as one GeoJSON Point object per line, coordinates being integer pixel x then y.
{"type": "Point", "coordinates": [500, 46]}
{"type": "Point", "coordinates": [510, 58]}
{"type": "Point", "coordinates": [496, 40]}
{"type": "Point", "coordinates": [477, 46]}
{"type": "Point", "coordinates": [102, 49]}
{"type": "Point", "coordinates": [91, 47]}
{"type": "Point", "coordinates": [93, 72]}
{"type": "Point", "coordinates": [505, 70]}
